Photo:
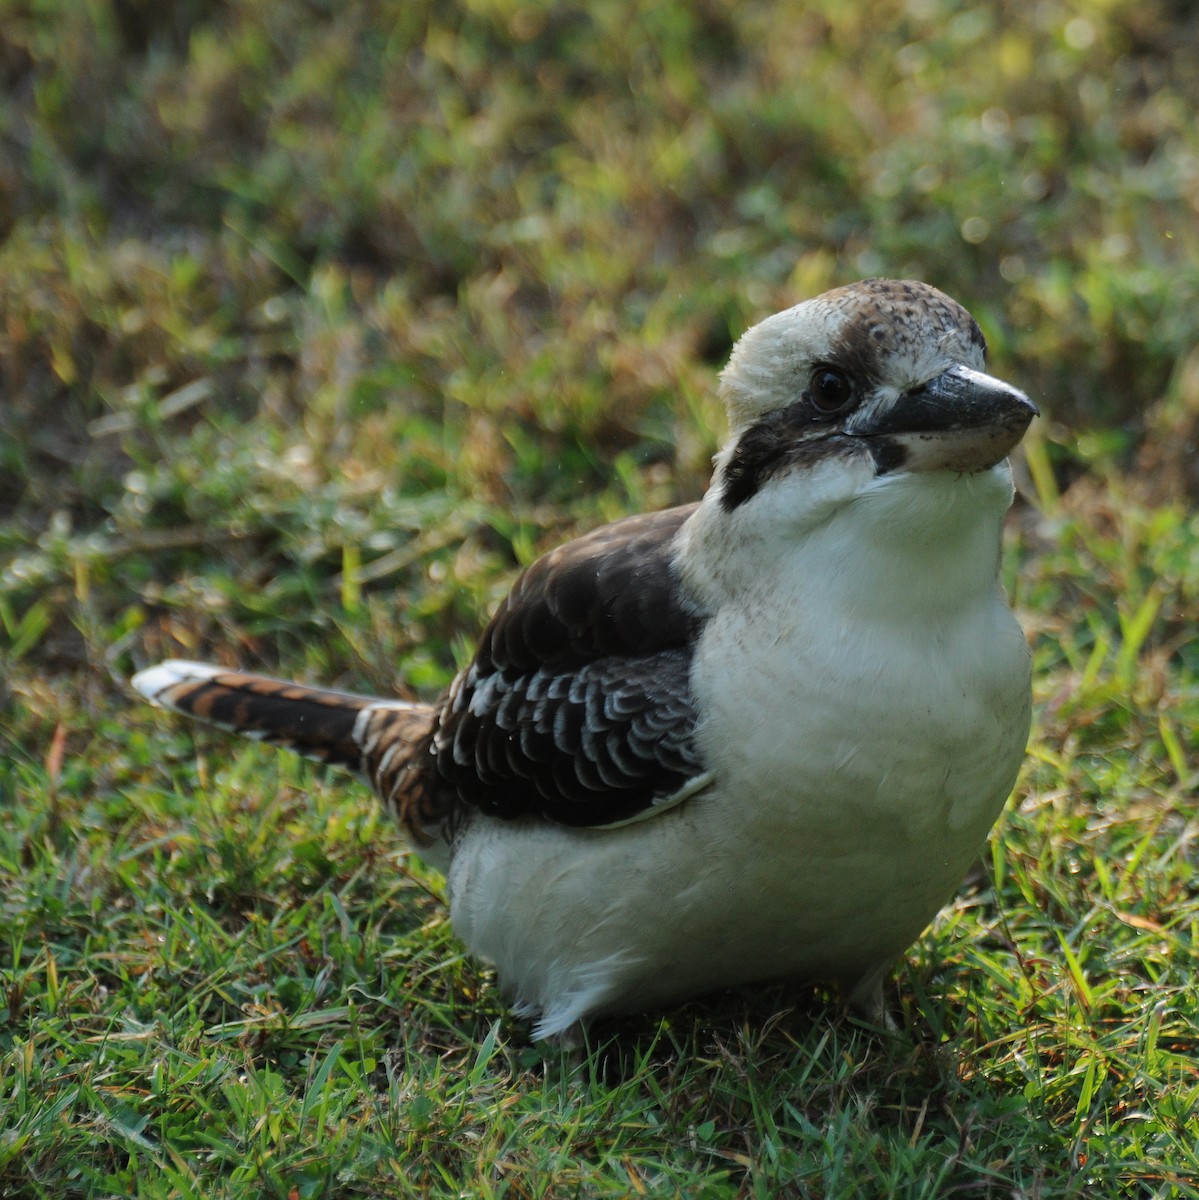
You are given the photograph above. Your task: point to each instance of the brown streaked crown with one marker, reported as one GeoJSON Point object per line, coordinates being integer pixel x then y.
{"type": "Point", "coordinates": [889, 319]}
{"type": "Point", "coordinates": [863, 327]}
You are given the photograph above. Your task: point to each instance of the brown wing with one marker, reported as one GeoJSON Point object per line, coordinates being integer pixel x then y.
{"type": "Point", "coordinates": [578, 705]}
{"type": "Point", "coordinates": [613, 592]}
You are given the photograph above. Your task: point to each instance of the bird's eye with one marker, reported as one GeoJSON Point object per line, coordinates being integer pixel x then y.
{"type": "Point", "coordinates": [829, 390]}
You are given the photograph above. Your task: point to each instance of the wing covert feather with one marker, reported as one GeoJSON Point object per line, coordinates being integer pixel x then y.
{"type": "Point", "coordinates": [578, 703]}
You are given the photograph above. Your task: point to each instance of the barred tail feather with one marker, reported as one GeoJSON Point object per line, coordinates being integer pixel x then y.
{"type": "Point", "coordinates": [384, 740]}
{"type": "Point", "coordinates": [316, 722]}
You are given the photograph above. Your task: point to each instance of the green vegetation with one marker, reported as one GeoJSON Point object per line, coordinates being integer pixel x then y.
{"type": "Point", "coordinates": [316, 322]}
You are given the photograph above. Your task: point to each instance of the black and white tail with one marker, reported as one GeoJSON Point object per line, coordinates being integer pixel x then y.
{"type": "Point", "coordinates": [386, 741]}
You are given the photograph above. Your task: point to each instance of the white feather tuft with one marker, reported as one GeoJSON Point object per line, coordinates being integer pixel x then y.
{"type": "Point", "coordinates": [153, 681]}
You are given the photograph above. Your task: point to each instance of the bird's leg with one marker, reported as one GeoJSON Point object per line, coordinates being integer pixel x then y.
{"type": "Point", "coordinates": [865, 998]}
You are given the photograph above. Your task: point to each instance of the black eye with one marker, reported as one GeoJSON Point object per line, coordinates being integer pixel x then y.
{"type": "Point", "coordinates": [829, 390]}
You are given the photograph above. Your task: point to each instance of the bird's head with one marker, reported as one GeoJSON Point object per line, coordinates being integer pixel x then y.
{"type": "Point", "coordinates": [884, 374]}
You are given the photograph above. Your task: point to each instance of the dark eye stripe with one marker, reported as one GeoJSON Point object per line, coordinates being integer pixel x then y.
{"type": "Point", "coordinates": [759, 452]}
{"type": "Point", "coordinates": [784, 438]}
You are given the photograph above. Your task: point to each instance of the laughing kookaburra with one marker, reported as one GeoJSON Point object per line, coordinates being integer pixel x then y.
{"type": "Point", "coordinates": [759, 737]}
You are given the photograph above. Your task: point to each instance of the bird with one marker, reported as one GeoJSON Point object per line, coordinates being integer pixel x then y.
{"type": "Point", "coordinates": [755, 738]}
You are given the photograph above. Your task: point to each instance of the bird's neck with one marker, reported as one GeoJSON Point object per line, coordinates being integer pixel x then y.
{"type": "Point", "coordinates": [909, 546]}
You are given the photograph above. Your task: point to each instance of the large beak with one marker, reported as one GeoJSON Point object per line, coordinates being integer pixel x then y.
{"type": "Point", "coordinates": [961, 420]}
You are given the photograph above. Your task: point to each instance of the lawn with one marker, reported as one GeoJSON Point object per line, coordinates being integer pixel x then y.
{"type": "Point", "coordinates": [316, 323]}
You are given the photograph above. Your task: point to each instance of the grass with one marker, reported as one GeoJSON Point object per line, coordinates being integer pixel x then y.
{"type": "Point", "coordinates": [315, 324]}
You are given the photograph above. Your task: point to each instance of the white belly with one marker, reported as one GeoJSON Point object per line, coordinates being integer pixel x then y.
{"type": "Point", "coordinates": [878, 775]}
{"type": "Point", "coordinates": [865, 705]}
{"type": "Point", "coordinates": [855, 790]}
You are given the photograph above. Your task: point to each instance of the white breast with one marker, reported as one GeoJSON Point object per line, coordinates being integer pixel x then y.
{"type": "Point", "coordinates": [864, 710]}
